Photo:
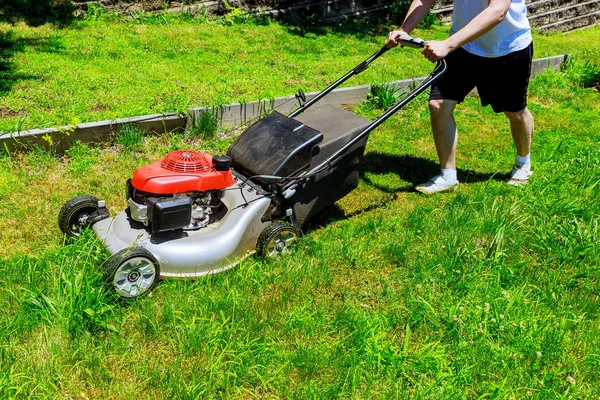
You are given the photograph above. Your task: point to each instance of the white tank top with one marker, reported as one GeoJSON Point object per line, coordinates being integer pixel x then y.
{"type": "Point", "coordinates": [512, 34]}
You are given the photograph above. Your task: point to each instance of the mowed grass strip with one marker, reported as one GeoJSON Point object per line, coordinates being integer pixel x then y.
{"type": "Point", "coordinates": [489, 292]}
{"type": "Point", "coordinates": [111, 68]}
{"type": "Point", "coordinates": [108, 69]}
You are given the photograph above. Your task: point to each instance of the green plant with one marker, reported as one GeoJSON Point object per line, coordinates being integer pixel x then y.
{"type": "Point", "coordinates": [429, 20]}
{"type": "Point", "coordinates": [399, 8]}
{"type": "Point", "coordinates": [586, 74]}
{"type": "Point", "coordinates": [178, 103]}
{"type": "Point", "coordinates": [129, 137]}
{"type": "Point", "coordinates": [204, 126]}
{"type": "Point", "coordinates": [37, 12]}
{"type": "Point", "coordinates": [94, 11]}
{"type": "Point", "coordinates": [62, 133]}
{"type": "Point", "coordinates": [235, 15]}
{"type": "Point", "coordinates": [382, 96]}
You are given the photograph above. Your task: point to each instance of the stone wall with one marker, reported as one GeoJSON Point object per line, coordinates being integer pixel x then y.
{"type": "Point", "coordinates": [313, 10]}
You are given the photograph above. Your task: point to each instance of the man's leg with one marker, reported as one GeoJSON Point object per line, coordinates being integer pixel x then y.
{"type": "Point", "coordinates": [521, 127]}
{"type": "Point", "coordinates": [445, 136]}
{"type": "Point", "coordinates": [444, 130]}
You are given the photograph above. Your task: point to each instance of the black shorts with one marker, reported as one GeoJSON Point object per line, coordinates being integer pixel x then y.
{"type": "Point", "coordinates": [501, 81]}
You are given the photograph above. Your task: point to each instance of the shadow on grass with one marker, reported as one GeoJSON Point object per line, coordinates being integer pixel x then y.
{"type": "Point", "coordinates": [415, 170]}
{"type": "Point", "coordinates": [409, 168]}
{"type": "Point", "coordinates": [11, 45]}
{"type": "Point", "coordinates": [360, 29]}
{"type": "Point", "coordinates": [316, 19]}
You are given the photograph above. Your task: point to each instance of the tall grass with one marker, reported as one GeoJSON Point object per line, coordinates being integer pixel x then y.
{"type": "Point", "coordinates": [488, 292]}
{"type": "Point", "coordinates": [73, 299]}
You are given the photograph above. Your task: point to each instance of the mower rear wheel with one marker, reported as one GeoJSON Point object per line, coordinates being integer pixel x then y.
{"type": "Point", "coordinates": [276, 239]}
{"type": "Point", "coordinates": [74, 216]}
{"type": "Point", "coordinates": [132, 272]}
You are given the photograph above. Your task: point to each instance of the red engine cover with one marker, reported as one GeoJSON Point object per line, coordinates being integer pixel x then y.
{"type": "Point", "coordinates": [181, 171]}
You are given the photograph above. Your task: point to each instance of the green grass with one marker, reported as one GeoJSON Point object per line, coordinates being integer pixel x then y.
{"type": "Point", "coordinates": [492, 292]}
{"type": "Point", "coordinates": [108, 68]}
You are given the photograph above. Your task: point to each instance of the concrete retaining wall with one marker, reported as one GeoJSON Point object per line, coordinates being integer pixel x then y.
{"type": "Point", "coordinates": [230, 115]}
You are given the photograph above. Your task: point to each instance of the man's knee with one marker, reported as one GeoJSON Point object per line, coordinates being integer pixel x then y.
{"type": "Point", "coordinates": [441, 110]}
{"type": "Point", "coordinates": [519, 116]}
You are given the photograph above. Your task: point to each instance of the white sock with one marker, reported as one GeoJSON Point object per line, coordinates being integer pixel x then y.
{"type": "Point", "coordinates": [520, 161]}
{"type": "Point", "coordinates": [449, 175]}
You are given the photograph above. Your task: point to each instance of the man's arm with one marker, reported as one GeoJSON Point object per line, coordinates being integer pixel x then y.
{"type": "Point", "coordinates": [417, 11]}
{"type": "Point", "coordinates": [478, 26]}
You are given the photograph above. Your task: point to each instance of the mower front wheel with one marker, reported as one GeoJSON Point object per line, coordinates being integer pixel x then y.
{"type": "Point", "coordinates": [74, 216]}
{"type": "Point", "coordinates": [132, 272]}
{"type": "Point", "coordinates": [276, 239]}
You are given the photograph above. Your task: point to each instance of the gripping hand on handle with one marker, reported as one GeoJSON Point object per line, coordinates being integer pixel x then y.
{"type": "Point", "coordinates": [401, 38]}
{"type": "Point", "coordinates": [436, 50]}
{"type": "Point", "coordinates": [433, 50]}
{"type": "Point", "coordinates": [392, 39]}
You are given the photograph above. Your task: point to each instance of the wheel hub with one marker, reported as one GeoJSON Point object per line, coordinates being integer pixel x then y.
{"type": "Point", "coordinates": [82, 220]}
{"type": "Point", "coordinates": [133, 276]}
{"type": "Point", "coordinates": [280, 245]}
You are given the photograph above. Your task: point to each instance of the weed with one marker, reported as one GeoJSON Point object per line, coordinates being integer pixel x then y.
{"type": "Point", "coordinates": [62, 133]}
{"type": "Point", "coordinates": [382, 96]}
{"type": "Point", "coordinates": [20, 123]}
{"type": "Point", "coordinates": [129, 137]}
{"type": "Point", "coordinates": [235, 15]}
{"type": "Point", "coordinates": [177, 103]}
{"type": "Point", "coordinates": [204, 126]}
{"type": "Point", "coordinates": [586, 74]}
{"type": "Point", "coordinates": [94, 11]}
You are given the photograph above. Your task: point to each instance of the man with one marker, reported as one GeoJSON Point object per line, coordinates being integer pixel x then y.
{"type": "Point", "coordinates": [489, 47]}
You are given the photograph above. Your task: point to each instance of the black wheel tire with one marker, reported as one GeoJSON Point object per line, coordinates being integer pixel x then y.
{"type": "Point", "coordinates": [132, 272]}
{"type": "Point", "coordinates": [275, 239]}
{"type": "Point", "coordinates": [74, 216]}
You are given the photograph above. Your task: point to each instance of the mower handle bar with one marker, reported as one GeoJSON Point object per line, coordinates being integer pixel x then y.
{"type": "Point", "coordinates": [437, 73]}
{"type": "Point", "coordinates": [405, 41]}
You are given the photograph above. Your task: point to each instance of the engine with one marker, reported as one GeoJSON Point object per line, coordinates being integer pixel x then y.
{"type": "Point", "coordinates": [183, 191]}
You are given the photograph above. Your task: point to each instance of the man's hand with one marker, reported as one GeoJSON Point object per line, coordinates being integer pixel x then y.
{"type": "Point", "coordinates": [393, 36]}
{"type": "Point", "coordinates": [436, 50]}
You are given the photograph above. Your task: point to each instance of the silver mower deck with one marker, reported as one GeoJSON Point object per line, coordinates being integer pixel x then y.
{"type": "Point", "coordinates": [194, 253]}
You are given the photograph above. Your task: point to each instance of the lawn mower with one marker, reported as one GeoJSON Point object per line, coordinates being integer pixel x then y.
{"type": "Point", "coordinates": [193, 214]}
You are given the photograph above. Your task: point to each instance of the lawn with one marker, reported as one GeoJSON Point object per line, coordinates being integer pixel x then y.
{"type": "Point", "coordinates": [491, 292]}
{"type": "Point", "coordinates": [112, 68]}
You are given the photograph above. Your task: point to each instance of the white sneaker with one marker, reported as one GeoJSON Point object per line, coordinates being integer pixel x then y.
{"type": "Point", "coordinates": [520, 176]}
{"type": "Point", "coordinates": [437, 184]}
